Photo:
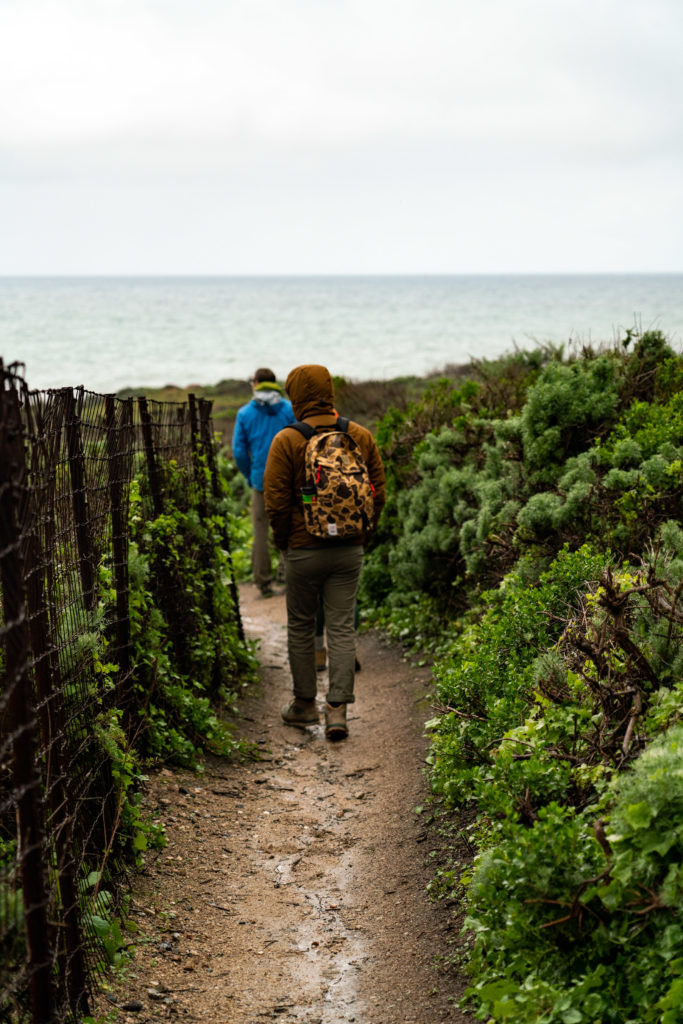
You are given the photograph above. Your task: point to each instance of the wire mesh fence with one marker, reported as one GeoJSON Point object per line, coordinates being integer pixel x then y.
{"type": "Point", "coordinates": [68, 460]}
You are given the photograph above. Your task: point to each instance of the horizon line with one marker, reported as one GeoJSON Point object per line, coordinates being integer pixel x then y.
{"type": "Point", "coordinates": [184, 275]}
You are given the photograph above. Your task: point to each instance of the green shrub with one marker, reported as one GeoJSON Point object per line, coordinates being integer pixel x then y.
{"type": "Point", "coordinates": [533, 543]}
{"type": "Point", "coordinates": [188, 657]}
{"type": "Point", "coordinates": [566, 408]}
{"type": "Point", "coordinates": [466, 498]}
{"type": "Point", "coordinates": [486, 684]}
{"type": "Point", "coordinates": [570, 930]}
{"type": "Point", "coordinates": [418, 544]}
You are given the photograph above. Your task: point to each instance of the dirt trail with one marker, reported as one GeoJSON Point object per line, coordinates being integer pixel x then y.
{"type": "Point", "coordinates": [293, 888]}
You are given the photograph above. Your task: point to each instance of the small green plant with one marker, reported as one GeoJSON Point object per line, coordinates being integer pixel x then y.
{"type": "Point", "coordinates": [102, 919]}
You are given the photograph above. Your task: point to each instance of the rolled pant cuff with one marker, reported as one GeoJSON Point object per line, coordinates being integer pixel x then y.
{"type": "Point", "coordinates": [339, 698]}
{"type": "Point", "coordinates": [298, 695]}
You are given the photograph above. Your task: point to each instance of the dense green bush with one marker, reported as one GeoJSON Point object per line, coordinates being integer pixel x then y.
{"type": "Point", "coordinates": [188, 658]}
{"type": "Point", "coordinates": [582, 455]}
{"type": "Point", "coordinates": [536, 550]}
{"type": "Point", "coordinates": [620, 489]}
{"type": "Point", "coordinates": [571, 930]}
{"type": "Point", "coordinates": [565, 409]}
{"type": "Point", "coordinates": [556, 923]}
{"type": "Point", "coordinates": [486, 684]}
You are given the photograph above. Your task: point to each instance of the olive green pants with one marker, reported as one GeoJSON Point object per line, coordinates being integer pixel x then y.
{"type": "Point", "coordinates": [333, 573]}
{"type": "Point", "coordinates": [260, 551]}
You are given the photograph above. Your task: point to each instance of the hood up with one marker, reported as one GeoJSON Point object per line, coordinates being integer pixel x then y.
{"type": "Point", "coordinates": [268, 395]}
{"type": "Point", "coordinates": [310, 391]}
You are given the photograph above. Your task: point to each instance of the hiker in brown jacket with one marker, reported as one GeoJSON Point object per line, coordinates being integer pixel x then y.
{"type": "Point", "coordinates": [314, 565]}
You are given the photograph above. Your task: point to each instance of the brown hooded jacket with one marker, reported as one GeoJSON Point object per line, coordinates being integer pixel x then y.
{"type": "Point", "coordinates": [311, 393]}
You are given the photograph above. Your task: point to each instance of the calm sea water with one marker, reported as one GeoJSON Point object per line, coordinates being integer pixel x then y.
{"type": "Point", "coordinates": [108, 333]}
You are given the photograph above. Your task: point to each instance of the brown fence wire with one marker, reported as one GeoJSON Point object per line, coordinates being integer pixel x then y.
{"type": "Point", "coordinates": [67, 460]}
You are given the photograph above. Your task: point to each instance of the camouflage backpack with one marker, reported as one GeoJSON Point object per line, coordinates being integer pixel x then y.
{"type": "Point", "coordinates": [338, 497]}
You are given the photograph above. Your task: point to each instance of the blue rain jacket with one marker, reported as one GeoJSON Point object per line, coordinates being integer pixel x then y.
{"type": "Point", "coordinates": [256, 425]}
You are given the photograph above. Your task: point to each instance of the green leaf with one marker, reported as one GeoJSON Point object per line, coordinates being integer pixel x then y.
{"type": "Point", "coordinates": [140, 841]}
{"type": "Point", "coordinates": [100, 926]}
{"type": "Point", "coordinates": [504, 1008]}
{"type": "Point", "coordinates": [639, 815]}
{"type": "Point", "coordinates": [672, 1002]}
{"type": "Point", "coordinates": [592, 1005]}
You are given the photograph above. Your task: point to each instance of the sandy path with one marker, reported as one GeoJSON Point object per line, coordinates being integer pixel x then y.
{"type": "Point", "coordinates": [293, 888]}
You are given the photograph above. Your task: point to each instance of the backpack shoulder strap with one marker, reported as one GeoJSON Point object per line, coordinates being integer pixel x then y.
{"type": "Point", "coordinates": [308, 431]}
{"type": "Point", "coordinates": [303, 428]}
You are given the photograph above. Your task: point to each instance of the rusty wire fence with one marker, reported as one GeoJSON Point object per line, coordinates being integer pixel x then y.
{"type": "Point", "coordinates": [67, 462]}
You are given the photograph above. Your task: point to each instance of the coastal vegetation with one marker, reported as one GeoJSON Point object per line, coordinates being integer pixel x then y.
{"type": "Point", "coordinates": [532, 548]}
{"type": "Point", "coordinates": [190, 663]}
{"type": "Point", "coordinates": [364, 401]}
{"type": "Point", "coordinates": [127, 652]}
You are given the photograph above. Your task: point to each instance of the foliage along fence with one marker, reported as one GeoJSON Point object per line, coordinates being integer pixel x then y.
{"type": "Point", "coordinates": [95, 491]}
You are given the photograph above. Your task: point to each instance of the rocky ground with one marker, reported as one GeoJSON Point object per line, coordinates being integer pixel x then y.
{"type": "Point", "coordinates": [292, 887]}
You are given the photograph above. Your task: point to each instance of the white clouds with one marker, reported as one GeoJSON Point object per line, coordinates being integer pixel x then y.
{"type": "Point", "coordinates": [301, 74]}
{"type": "Point", "coordinates": [409, 105]}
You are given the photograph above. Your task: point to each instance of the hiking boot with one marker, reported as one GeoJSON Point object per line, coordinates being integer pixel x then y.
{"type": "Point", "coordinates": [320, 659]}
{"type": "Point", "coordinates": [300, 712]}
{"type": "Point", "coordinates": [267, 591]}
{"type": "Point", "coordinates": [335, 722]}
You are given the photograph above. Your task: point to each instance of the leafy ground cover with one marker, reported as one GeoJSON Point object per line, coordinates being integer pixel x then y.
{"type": "Point", "coordinates": [188, 667]}
{"type": "Point", "coordinates": [532, 545]}
{"type": "Point", "coordinates": [189, 660]}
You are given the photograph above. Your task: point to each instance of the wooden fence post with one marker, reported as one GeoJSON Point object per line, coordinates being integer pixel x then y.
{"type": "Point", "coordinates": [69, 939]}
{"type": "Point", "coordinates": [199, 477]}
{"type": "Point", "coordinates": [21, 718]}
{"type": "Point", "coordinates": [150, 455]}
{"type": "Point", "coordinates": [207, 441]}
{"type": "Point", "coordinates": [119, 528]}
{"type": "Point", "coordinates": [86, 551]}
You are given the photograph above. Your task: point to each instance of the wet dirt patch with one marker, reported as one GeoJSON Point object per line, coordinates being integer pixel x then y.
{"type": "Point", "coordinates": [293, 888]}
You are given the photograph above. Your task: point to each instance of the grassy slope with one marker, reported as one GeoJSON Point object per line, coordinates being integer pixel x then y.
{"type": "Point", "coordinates": [364, 401]}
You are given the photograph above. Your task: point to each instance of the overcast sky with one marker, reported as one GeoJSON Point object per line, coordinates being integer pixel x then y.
{"type": "Point", "coordinates": [340, 136]}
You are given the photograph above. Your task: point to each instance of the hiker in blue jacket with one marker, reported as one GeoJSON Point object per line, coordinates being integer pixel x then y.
{"type": "Point", "coordinates": [256, 425]}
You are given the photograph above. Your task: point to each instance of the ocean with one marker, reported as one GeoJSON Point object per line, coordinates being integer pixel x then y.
{"type": "Point", "coordinates": [108, 333]}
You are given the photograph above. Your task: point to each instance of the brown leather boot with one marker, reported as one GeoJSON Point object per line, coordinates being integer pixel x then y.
{"type": "Point", "coordinates": [300, 712]}
{"type": "Point", "coordinates": [335, 722]}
